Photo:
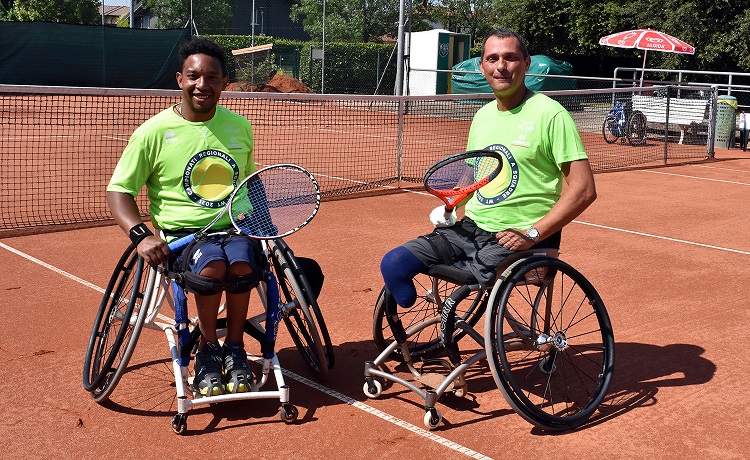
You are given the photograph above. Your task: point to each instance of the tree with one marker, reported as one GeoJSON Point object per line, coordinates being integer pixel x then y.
{"type": "Point", "coordinates": [466, 16]}
{"type": "Point", "coordinates": [347, 20]}
{"type": "Point", "coordinates": [63, 11]}
{"type": "Point", "coordinates": [210, 16]}
{"type": "Point", "coordinates": [573, 28]}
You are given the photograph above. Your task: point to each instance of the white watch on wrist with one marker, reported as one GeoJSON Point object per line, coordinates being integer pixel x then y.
{"type": "Point", "coordinates": [532, 234]}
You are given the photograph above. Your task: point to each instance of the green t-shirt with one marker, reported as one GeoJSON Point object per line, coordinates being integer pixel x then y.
{"type": "Point", "coordinates": [188, 168]}
{"type": "Point", "coordinates": [535, 139]}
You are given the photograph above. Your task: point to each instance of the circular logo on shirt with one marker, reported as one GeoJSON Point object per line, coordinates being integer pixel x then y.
{"type": "Point", "coordinates": [505, 183]}
{"type": "Point", "coordinates": [209, 178]}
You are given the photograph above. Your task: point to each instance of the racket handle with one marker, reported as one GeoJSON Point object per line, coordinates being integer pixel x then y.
{"type": "Point", "coordinates": [180, 243]}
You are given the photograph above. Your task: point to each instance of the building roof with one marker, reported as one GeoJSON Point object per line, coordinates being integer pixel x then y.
{"type": "Point", "coordinates": [115, 10]}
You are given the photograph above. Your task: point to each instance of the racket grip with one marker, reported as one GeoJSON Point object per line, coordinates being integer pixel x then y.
{"type": "Point", "coordinates": [180, 243]}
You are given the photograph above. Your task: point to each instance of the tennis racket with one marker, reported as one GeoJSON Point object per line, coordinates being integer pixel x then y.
{"type": "Point", "coordinates": [272, 202]}
{"type": "Point", "coordinates": [454, 178]}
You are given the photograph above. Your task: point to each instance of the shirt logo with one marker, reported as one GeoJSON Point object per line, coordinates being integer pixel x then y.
{"type": "Point", "coordinates": [234, 143]}
{"type": "Point", "coordinates": [525, 126]}
{"type": "Point", "coordinates": [210, 177]}
{"type": "Point", "coordinates": [503, 186]}
{"type": "Point", "coordinates": [170, 137]}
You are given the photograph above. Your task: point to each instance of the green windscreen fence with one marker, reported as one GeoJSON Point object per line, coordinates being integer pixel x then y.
{"type": "Point", "coordinates": [46, 54]}
{"type": "Point", "coordinates": [544, 74]}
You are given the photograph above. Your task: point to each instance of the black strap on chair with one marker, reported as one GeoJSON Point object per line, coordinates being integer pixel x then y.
{"type": "Point", "coordinates": [202, 285]}
{"type": "Point", "coordinates": [441, 246]}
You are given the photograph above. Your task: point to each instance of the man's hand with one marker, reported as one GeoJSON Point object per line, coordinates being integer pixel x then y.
{"type": "Point", "coordinates": [514, 239]}
{"type": "Point", "coordinates": [441, 219]}
{"type": "Point", "coordinates": [154, 250]}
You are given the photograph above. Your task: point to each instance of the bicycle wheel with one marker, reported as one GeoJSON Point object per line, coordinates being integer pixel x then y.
{"type": "Point", "coordinates": [610, 129]}
{"type": "Point", "coordinates": [636, 129]}
{"type": "Point", "coordinates": [427, 341]}
{"type": "Point", "coordinates": [119, 321]}
{"type": "Point", "coordinates": [550, 344]}
{"type": "Point", "coordinates": [300, 311]}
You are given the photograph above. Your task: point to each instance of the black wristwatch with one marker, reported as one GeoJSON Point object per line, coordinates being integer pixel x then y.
{"type": "Point", "coordinates": [532, 234]}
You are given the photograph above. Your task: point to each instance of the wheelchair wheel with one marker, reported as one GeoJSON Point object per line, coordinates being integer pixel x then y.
{"type": "Point", "coordinates": [636, 129]}
{"type": "Point", "coordinates": [118, 322]}
{"type": "Point", "coordinates": [550, 344]}
{"type": "Point", "coordinates": [610, 129]}
{"type": "Point", "coordinates": [301, 313]}
{"type": "Point", "coordinates": [427, 341]}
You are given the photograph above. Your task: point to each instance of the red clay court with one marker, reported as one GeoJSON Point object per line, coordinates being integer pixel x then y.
{"type": "Point", "coordinates": [665, 246]}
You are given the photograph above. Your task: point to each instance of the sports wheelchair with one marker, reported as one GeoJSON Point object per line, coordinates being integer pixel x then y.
{"type": "Point", "coordinates": [136, 294]}
{"type": "Point", "coordinates": [547, 338]}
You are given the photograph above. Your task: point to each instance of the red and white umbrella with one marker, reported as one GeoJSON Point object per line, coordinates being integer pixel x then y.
{"type": "Point", "coordinates": [647, 39]}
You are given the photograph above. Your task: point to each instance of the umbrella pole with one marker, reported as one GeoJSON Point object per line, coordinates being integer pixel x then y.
{"type": "Point", "coordinates": [643, 69]}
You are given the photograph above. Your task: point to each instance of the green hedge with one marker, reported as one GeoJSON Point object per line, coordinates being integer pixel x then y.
{"type": "Point", "coordinates": [350, 68]}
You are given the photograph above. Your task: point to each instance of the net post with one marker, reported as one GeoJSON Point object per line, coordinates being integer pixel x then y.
{"type": "Point", "coordinates": [713, 119]}
{"type": "Point", "coordinates": [400, 139]}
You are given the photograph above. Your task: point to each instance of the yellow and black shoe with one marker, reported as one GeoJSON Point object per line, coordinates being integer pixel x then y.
{"type": "Point", "coordinates": [237, 377]}
{"type": "Point", "coordinates": [208, 371]}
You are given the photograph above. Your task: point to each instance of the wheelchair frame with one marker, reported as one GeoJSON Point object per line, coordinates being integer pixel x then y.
{"type": "Point", "coordinates": [547, 338]}
{"type": "Point", "coordinates": [133, 301]}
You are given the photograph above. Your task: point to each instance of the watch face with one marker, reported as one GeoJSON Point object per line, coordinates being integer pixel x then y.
{"type": "Point", "coordinates": [532, 233]}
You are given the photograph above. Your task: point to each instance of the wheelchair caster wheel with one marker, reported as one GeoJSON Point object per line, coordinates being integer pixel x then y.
{"type": "Point", "coordinates": [460, 392]}
{"type": "Point", "coordinates": [179, 423]}
{"type": "Point", "coordinates": [288, 414]}
{"type": "Point", "coordinates": [432, 419]}
{"type": "Point", "coordinates": [372, 390]}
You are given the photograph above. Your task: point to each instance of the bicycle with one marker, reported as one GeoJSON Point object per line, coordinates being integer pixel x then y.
{"type": "Point", "coordinates": [623, 124]}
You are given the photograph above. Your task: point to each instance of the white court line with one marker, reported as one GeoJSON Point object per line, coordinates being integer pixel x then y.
{"type": "Point", "coordinates": [330, 392]}
{"type": "Point", "coordinates": [675, 240]}
{"type": "Point", "coordinates": [695, 177]}
{"type": "Point", "coordinates": [723, 169]}
{"type": "Point", "coordinates": [53, 268]}
{"type": "Point", "coordinates": [387, 417]}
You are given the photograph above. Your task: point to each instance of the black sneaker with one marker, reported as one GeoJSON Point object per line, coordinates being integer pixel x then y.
{"type": "Point", "coordinates": [237, 377]}
{"type": "Point", "coordinates": [208, 370]}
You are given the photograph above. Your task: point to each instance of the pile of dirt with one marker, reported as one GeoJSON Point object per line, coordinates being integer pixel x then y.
{"type": "Point", "coordinates": [279, 83]}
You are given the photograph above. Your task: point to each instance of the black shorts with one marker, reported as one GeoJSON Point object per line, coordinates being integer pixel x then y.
{"type": "Point", "coordinates": [468, 248]}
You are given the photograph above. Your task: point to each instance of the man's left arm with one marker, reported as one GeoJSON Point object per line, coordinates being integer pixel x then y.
{"type": "Point", "coordinates": [579, 192]}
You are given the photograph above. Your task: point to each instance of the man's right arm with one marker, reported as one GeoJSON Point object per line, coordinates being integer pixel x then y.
{"type": "Point", "coordinates": [125, 210]}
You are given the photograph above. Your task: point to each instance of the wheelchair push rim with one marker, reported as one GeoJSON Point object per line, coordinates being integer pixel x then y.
{"type": "Point", "coordinates": [550, 345]}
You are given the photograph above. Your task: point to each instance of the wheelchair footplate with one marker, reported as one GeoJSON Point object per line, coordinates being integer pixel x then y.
{"type": "Point", "coordinates": [430, 374]}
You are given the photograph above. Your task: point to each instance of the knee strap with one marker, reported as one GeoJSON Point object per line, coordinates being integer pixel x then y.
{"type": "Point", "coordinates": [441, 246]}
{"type": "Point", "coordinates": [204, 285]}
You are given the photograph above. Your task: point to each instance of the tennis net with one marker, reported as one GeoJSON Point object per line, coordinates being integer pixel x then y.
{"type": "Point", "coordinates": [59, 145]}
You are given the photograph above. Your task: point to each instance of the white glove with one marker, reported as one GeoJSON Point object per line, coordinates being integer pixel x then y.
{"type": "Point", "coordinates": [440, 218]}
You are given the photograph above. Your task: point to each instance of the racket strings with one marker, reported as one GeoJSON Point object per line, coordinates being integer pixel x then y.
{"type": "Point", "coordinates": [484, 167]}
{"type": "Point", "coordinates": [277, 202]}
{"type": "Point", "coordinates": [451, 176]}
